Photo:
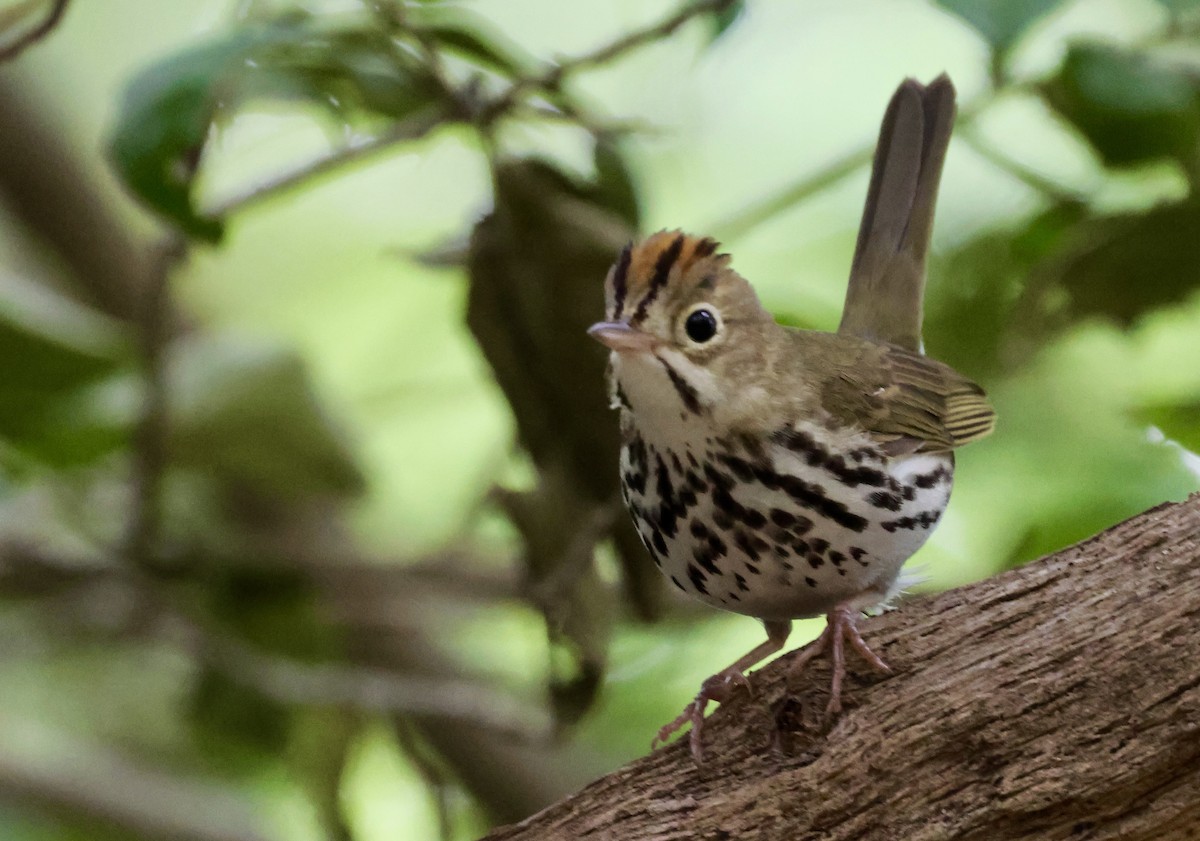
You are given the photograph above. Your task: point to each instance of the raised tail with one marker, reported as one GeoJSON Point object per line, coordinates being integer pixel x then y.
{"type": "Point", "coordinates": [887, 277]}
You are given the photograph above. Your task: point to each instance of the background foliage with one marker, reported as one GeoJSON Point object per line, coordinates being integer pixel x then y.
{"type": "Point", "coordinates": [307, 526]}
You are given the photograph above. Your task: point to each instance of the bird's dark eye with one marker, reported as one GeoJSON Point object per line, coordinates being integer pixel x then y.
{"type": "Point", "coordinates": [701, 326]}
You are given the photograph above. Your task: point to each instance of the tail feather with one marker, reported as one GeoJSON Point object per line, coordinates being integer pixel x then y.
{"type": "Point", "coordinates": [887, 276]}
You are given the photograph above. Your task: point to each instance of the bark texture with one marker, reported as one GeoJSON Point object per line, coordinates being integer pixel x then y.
{"type": "Point", "coordinates": [1057, 701]}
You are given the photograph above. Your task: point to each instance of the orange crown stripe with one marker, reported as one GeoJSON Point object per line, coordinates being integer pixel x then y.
{"type": "Point", "coordinates": [646, 255]}
{"type": "Point", "coordinates": [642, 271]}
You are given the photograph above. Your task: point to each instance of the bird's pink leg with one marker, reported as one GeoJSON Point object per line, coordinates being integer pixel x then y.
{"type": "Point", "coordinates": [720, 688]}
{"type": "Point", "coordinates": [841, 626]}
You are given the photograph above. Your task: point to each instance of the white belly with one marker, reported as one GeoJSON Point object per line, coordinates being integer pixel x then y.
{"type": "Point", "coordinates": [781, 528]}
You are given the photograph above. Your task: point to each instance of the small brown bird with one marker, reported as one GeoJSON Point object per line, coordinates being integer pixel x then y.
{"type": "Point", "coordinates": [782, 473]}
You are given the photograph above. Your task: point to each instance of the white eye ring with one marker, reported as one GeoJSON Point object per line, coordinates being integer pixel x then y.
{"type": "Point", "coordinates": [701, 324]}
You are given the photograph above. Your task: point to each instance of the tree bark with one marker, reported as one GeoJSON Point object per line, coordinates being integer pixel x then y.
{"type": "Point", "coordinates": [1056, 701]}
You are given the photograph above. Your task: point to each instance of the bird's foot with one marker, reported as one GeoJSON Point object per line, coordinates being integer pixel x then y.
{"type": "Point", "coordinates": [720, 687]}
{"type": "Point", "coordinates": [841, 626]}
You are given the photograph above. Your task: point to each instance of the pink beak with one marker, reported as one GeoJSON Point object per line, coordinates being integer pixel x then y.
{"type": "Point", "coordinates": [619, 336]}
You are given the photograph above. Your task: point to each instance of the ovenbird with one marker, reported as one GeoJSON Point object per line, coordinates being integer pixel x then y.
{"type": "Point", "coordinates": [783, 473]}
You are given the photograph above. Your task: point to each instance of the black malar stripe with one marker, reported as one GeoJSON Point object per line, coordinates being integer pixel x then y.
{"type": "Point", "coordinates": [687, 394]}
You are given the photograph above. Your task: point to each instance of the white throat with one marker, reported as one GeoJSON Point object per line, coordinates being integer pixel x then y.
{"type": "Point", "coordinates": [665, 389]}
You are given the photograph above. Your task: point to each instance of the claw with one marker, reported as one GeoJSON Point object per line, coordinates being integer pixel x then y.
{"type": "Point", "coordinates": [739, 679]}
{"type": "Point", "coordinates": [719, 688]}
{"type": "Point", "coordinates": [840, 626]}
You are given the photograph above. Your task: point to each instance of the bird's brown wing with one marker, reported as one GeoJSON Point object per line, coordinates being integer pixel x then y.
{"type": "Point", "coordinates": [908, 402]}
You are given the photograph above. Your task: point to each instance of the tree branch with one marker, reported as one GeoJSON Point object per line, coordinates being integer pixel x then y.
{"type": "Point", "coordinates": [149, 454]}
{"type": "Point", "coordinates": [101, 789]}
{"type": "Point", "coordinates": [805, 188]}
{"type": "Point", "coordinates": [1030, 177]}
{"type": "Point", "coordinates": [551, 79]}
{"type": "Point", "coordinates": [808, 185]}
{"type": "Point", "coordinates": [37, 33]}
{"type": "Point", "coordinates": [636, 39]}
{"type": "Point", "coordinates": [53, 194]}
{"type": "Point", "coordinates": [295, 682]}
{"type": "Point", "coordinates": [1060, 700]}
{"type": "Point", "coordinates": [411, 128]}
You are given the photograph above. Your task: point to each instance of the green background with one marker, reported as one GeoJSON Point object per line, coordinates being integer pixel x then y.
{"type": "Point", "coordinates": [327, 373]}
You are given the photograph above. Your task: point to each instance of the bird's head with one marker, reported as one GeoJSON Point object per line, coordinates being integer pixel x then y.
{"type": "Point", "coordinates": [681, 322]}
{"type": "Point", "coordinates": [675, 292]}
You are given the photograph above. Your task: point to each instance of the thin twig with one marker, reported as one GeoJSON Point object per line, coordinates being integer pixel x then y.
{"type": "Point", "coordinates": [638, 37]}
{"type": "Point", "coordinates": [551, 79]}
{"type": "Point", "coordinates": [37, 33]}
{"type": "Point", "coordinates": [613, 128]}
{"type": "Point", "coordinates": [808, 186]}
{"type": "Point", "coordinates": [149, 439]}
{"type": "Point", "coordinates": [412, 128]}
{"type": "Point", "coordinates": [1017, 169]}
{"type": "Point", "coordinates": [425, 121]}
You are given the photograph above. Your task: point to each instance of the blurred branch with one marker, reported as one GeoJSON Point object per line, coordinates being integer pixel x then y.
{"type": "Point", "coordinates": [37, 33]}
{"type": "Point", "coordinates": [552, 78]}
{"type": "Point", "coordinates": [607, 128]}
{"type": "Point", "coordinates": [412, 128]}
{"type": "Point", "coordinates": [1038, 182]}
{"type": "Point", "coordinates": [802, 190]}
{"type": "Point", "coordinates": [94, 786]}
{"type": "Point", "coordinates": [26, 571]}
{"type": "Point", "coordinates": [150, 436]}
{"type": "Point", "coordinates": [362, 688]}
{"type": "Point", "coordinates": [809, 185]}
{"type": "Point", "coordinates": [50, 191]}
{"type": "Point", "coordinates": [423, 122]}
{"type": "Point", "coordinates": [631, 41]}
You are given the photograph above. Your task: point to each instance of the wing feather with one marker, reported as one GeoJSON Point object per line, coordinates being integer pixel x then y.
{"type": "Point", "coordinates": [911, 402]}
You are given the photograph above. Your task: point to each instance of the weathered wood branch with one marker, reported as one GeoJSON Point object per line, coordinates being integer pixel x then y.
{"type": "Point", "coordinates": [1057, 701]}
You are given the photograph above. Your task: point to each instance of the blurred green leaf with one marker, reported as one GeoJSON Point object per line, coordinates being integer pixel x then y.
{"type": "Point", "coordinates": [170, 107]}
{"type": "Point", "coordinates": [970, 304]}
{"type": "Point", "coordinates": [475, 47]}
{"type": "Point", "coordinates": [1067, 459]}
{"type": "Point", "coordinates": [87, 423]}
{"type": "Point", "coordinates": [1000, 22]}
{"type": "Point", "coordinates": [1130, 107]}
{"type": "Point", "coordinates": [471, 35]}
{"type": "Point", "coordinates": [1124, 266]}
{"type": "Point", "coordinates": [615, 186]}
{"type": "Point", "coordinates": [248, 411]}
{"type": "Point", "coordinates": [165, 119]}
{"type": "Point", "coordinates": [273, 611]}
{"type": "Point", "coordinates": [349, 70]}
{"type": "Point", "coordinates": [725, 17]}
{"type": "Point", "coordinates": [271, 608]}
{"type": "Point", "coordinates": [235, 725]}
{"type": "Point", "coordinates": [50, 348]}
{"type": "Point", "coordinates": [1178, 421]}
